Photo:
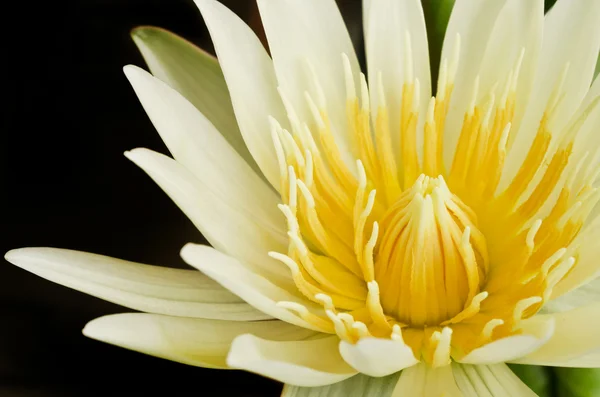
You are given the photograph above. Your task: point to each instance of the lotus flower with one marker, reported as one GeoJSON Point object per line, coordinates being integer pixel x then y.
{"type": "Point", "coordinates": [362, 227]}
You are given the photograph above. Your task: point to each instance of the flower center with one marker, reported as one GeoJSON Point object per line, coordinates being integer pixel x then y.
{"type": "Point", "coordinates": [432, 259]}
{"type": "Point", "coordinates": [383, 247]}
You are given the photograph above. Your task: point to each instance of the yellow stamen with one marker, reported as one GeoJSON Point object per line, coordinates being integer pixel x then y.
{"type": "Point", "coordinates": [386, 248]}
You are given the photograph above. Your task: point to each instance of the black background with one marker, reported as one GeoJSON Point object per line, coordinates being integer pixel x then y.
{"type": "Point", "coordinates": [67, 116]}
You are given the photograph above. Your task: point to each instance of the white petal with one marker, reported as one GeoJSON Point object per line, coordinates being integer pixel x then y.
{"type": "Point", "coordinates": [474, 21]}
{"type": "Point", "coordinates": [389, 23]}
{"type": "Point", "coordinates": [535, 333]}
{"type": "Point", "coordinates": [588, 140]}
{"type": "Point", "coordinates": [585, 295]}
{"type": "Point", "coordinates": [310, 31]}
{"type": "Point", "coordinates": [571, 36]}
{"type": "Point", "coordinates": [226, 226]}
{"type": "Point", "coordinates": [587, 267]}
{"type": "Point", "coordinates": [197, 76]}
{"type": "Point", "coordinates": [198, 146]}
{"type": "Point", "coordinates": [422, 380]}
{"type": "Point", "coordinates": [251, 81]}
{"type": "Point", "coordinates": [248, 285]}
{"type": "Point", "coordinates": [378, 357]}
{"type": "Point", "coordinates": [489, 381]}
{"type": "Point", "coordinates": [589, 360]}
{"type": "Point", "coordinates": [357, 386]}
{"type": "Point", "coordinates": [307, 363]}
{"type": "Point", "coordinates": [576, 334]}
{"type": "Point", "coordinates": [192, 341]}
{"type": "Point", "coordinates": [153, 289]}
{"type": "Point", "coordinates": [366, 10]}
{"type": "Point", "coordinates": [518, 28]}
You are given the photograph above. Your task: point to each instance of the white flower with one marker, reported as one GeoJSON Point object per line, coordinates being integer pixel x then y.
{"type": "Point", "coordinates": [389, 230]}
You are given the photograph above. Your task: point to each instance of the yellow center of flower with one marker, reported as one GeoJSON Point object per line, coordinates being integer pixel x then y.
{"type": "Point", "coordinates": [432, 259]}
{"type": "Point", "coordinates": [389, 240]}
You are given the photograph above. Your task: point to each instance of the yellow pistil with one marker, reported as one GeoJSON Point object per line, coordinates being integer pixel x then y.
{"type": "Point", "coordinates": [397, 244]}
{"type": "Point", "coordinates": [432, 259]}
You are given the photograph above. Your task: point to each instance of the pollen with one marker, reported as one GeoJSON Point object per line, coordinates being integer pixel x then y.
{"type": "Point", "coordinates": [394, 241]}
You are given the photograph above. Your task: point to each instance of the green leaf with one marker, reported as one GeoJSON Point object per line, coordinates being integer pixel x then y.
{"type": "Point", "coordinates": [357, 386]}
{"type": "Point", "coordinates": [539, 379]}
{"type": "Point", "coordinates": [437, 14]}
{"type": "Point", "coordinates": [196, 75]}
{"type": "Point", "coordinates": [577, 382]}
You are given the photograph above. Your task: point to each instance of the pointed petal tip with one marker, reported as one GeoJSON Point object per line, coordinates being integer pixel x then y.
{"type": "Point", "coordinates": [136, 153]}
{"type": "Point", "coordinates": [240, 343]}
{"type": "Point", "coordinates": [145, 32]}
{"type": "Point", "coordinates": [17, 255]}
{"type": "Point", "coordinates": [90, 330]}
{"type": "Point", "coordinates": [13, 255]}
{"type": "Point", "coordinates": [134, 72]}
{"type": "Point", "coordinates": [111, 328]}
{"type": "Point", "coordinates": [191, 249]}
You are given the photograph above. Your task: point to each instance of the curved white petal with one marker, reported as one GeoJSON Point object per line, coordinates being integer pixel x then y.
{"type": "Point", "coordinates": [154, 289]}
{"type": "Point", "coordinates": [310, 32]}
{"type": "Point", "coordinates": [251, 80]}
{"type": "Point", "coordinates": [252, 287]}
{"type": "Point", "coordinates": [571, 39]}
{"type": "Point", "coordinates": [389, 24]}
{"type": "Point", "coordinates": [489, 381]}
{"type": "Point", "coordinates": [587, 268]}
{"type": "Point", "coordinates": [226, 226]}
{"type": "Point", "coordinates": [197, 76]}
{"type": "Point", "coordinates": [588, 360]}
{"type": "Point", "coordinates": [587, 294]}
{"type": "Point", "coordinates": [357, 386]}
{"type": "Point", "coordinates": [422, 380]}
{"type": "Point", "coordinates": [192, 341]}
{"type": "Point", "coordinates": [535, 333]}
{"type": "Point", "coordinates": [518, 30]}
{"type": "Point", "coordinates": [474, 23]}
{"type": "Point", "coordinates": [307, 363]}
{"type": "Point", "coordinates": [576, 335]}
{"type": "Point", "coordinates": [198, 146]}
{"type": "Point", "coordinates": [378, 357]}
{"type": "Point", "coordinates": [588, 139]}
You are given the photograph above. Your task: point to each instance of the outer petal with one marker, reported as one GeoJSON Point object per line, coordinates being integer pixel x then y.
{"type": "Point", "coordinates": [218, 217]}
{"type": "Point", "coordinates": [585, 295]}
{"type": "Point", "coordinates": [587, 268]}
{"type": "Point", "coordinates": [589, 360]}
{"type": "Point", "coordinates": [154, 289]}
{"type": "Point", "coordinates": [302, 32]}
{"type": "Point", "coordinates": [389, 24]}
{"type": "Point", "coordinates": [422, 380]}
{"type": "Point", "coordinates": [535, 333]}
{"type": "Point", "coordinates": [571, 38]}
{"type": "Point", "coordinates": [307, 363]}
{"type": "Point", "coordinates": [251, 81]}
{"type": "Point", "coordinates": [357, 386]}
{"type": "Point", "coordinates": [489, 381]}
{"type": "Point", "coordinates": [191, 341]}
{"type": "Point", "coordinates": [195, 143]}
{"type": "Point", "coordinates": [576, 335]}
{"type": "Point", "coordinates": [197, 76]}
{"type": "Point", "coordinates": [378, 357]}
{"type": "Point", "coordinates": [248, 285]}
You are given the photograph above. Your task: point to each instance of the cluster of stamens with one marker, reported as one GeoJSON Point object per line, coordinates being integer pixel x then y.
{"type": "Point", "coordinates": [395, 245]}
